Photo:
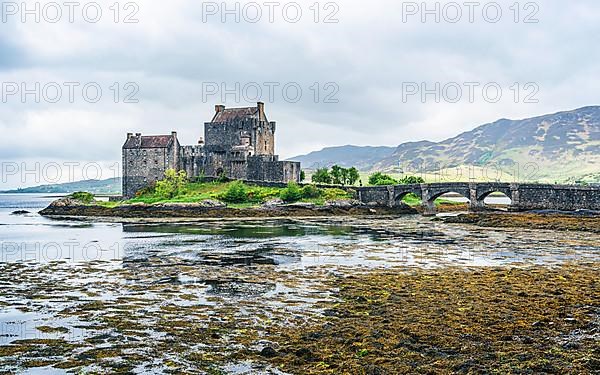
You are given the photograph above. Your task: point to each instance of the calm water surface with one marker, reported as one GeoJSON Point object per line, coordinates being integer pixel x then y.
{"type": "Point", "coordinates": [254, 270]}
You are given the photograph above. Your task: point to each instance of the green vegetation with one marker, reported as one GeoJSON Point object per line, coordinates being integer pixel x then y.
{"type": "Point", "coordinates": [380, 179]}
{"type": "Point", "coordinates": [176, 189]}
{"type": "Point", "coordinates": [172, 185]}
{"type": "Point", "coordinates": [337, 176]}
{"type": "Point", "coordinates": [292, 193]}
{"type": "Point", "coordinates": [236, 193]}
{"type": "Point", "coordinates": [321, 176]}
{"type": "Point", "coordinates": [82, 196]}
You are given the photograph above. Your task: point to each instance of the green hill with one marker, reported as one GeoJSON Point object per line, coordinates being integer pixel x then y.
{"type": "Point", "coordinates": [111, 186]}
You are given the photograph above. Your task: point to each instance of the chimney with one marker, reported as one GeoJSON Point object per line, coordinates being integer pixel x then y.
{"type": "Point", "coordinates": [261, 110]}
{"type": "Point", "coordinates": [138, 134]}
{"type": "Point", "coordinates": [219, 108]}
{"type": "Point", "coordinates": [129, 135]}
{"type": "Point", "coordinates": [174, 134]}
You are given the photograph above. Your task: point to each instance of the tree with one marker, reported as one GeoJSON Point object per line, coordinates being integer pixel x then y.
{"type": "Point", "coordinates": [302, 176]}
{"type": "Point", "coordinates": [321, 176]}
{"type": "Point", "coordinates": [380, 179]}
{"type": "Point", "coordinates": [352, 176]}
{"type": "Point", "coordinates": [236, 193]}
{"type": "Point", "coordinates": [407, 180]}
{"type": "Point", "coordinates": [337, 175]}
{"type": "Point", "coordinates": [172, 185]}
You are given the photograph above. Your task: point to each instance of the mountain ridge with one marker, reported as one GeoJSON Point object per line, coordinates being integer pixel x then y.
{"type": "Point", "coordinates": [107, 186]}
{"type": "Point", "coordinates": [562, 146]}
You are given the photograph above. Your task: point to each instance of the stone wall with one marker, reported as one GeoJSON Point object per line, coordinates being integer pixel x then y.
{"type": "Point", "coordinates": [192, 160]}
{"type": "Point", "coordinates": [144, 166]}
{"type": "Point", "coordinates": [557, 197]}
{"type": "Point", "coordinates": [523, 196]}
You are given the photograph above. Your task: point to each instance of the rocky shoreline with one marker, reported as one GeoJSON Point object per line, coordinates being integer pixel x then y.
{"type": "Point", "coordinates": [67, 207]}
{"type": "Point", "coordinates": [576, 221]}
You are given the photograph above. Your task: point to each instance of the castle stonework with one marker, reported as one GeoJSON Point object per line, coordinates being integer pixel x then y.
{"type": "Point", "coordinates": [238, 142]}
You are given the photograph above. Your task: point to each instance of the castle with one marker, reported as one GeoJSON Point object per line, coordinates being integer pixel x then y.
{"type": "Point", "coordinates": [238, 143]}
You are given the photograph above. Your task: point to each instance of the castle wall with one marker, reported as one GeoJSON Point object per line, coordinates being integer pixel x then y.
{"type": "Point", "coordinates": [144, 166]}
{"type": "Point", "coordinates": [192, 160]}
{"type": "Point", "coordinates": [269, 168]}
{"type": "Point", "coordinates": [265, 138]}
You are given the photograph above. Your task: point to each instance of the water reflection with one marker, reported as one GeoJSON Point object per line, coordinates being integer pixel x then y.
{"type": "Point", "coordinates": [108, 284]}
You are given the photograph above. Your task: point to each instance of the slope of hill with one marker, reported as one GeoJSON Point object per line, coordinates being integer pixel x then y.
{"type": "Point", "coordinates": [362, 158]}
{"type": "Point", "coordinates": [552, 147]}
{"type": "Point", "coordinates": [109, 186]}
{"type": "Point", "coordinates": [560, 147]}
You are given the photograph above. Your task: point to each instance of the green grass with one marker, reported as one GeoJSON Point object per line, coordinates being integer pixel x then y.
{"type": "Point", "coordinates": [195, 192]}
{"type": "Point", "coordinates": [412, 200]}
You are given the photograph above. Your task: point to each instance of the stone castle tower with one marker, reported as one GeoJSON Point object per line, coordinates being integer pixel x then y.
{"type": "Point", "coordinates": [238, 142]}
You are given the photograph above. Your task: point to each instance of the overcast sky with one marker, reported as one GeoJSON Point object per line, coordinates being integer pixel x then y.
{"type": "Point", "coordinates": [361, 67]}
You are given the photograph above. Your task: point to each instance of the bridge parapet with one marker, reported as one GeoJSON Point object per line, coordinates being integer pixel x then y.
{"type": "Point", "coordinates": [523, 196]}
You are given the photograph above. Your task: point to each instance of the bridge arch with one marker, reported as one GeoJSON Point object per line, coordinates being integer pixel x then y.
{"type": "Point", "coordinates": [495, 198]}
{"type": "Point", "coordinates": [398, 198]}
{"type": "Point", "coordinates": [440, 194]}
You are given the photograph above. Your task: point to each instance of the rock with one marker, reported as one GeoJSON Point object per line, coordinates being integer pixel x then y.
{"type": "Point", "coordinates": [305, 205]}
{"type": "Point", "coordinates": [20, 212]}
{"type": "Point", "coordinates": [64, 202]}
{"type": "Point", "coordinates": [273, 203]}
{"type": "Point", "coordinates": [268, 352]}
{"type": "Point", "coordinates": [176, 205]}
{"type": "Point", "coordinates": [212, 203]}
{"type": "Point", "coordinates": [343, 204]}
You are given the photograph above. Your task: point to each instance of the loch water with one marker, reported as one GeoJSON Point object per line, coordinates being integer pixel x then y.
{"type": "Point", "coordinates": [254, 271]}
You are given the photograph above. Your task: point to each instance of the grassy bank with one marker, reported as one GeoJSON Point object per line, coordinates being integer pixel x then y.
{"type": "Point", "coordinates": [237, 194]}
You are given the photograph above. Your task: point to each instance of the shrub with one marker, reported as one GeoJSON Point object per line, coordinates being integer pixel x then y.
{"type": "Point", "coordinates": [259, 194]}
{"type": "Point", "coordinates": [379, 179]}
{"type": "Point", "coordinates": [321, 176]}
{"type": "Point", "coordinates": [148, 190]}
{"type": "Point", "coordinates": [82, 196]}
{"type": "Point", "coordinates": [335, 194]}
{"type": "Point", "coordinates": [222, 178]}
{"type": "Point", "coordinates": [311, 192]}
{"type": "Point", "coordinates": [291, 193]}
{"type": "Point", "coordinates": [172, 185]}
{"type": "Point", "coordinates": [236, 192]}
{"type": "Point", "coordinates": [407, 180]}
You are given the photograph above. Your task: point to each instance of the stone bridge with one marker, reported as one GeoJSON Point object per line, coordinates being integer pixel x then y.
{"type": "Point", "coordinates": [523, 196]}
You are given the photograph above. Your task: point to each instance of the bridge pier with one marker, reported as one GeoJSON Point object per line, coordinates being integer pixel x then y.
{"type": "Point", "coordinates": [515, 197]}
{"type": "Point", "coordinates": [475, 204]}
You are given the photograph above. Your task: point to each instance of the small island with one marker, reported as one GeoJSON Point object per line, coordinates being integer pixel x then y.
{"type": "Point", "coordinates": [177, 197]}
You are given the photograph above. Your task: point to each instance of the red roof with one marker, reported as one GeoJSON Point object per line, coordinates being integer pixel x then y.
{"type": "Point", "coordinates": [149, 141]}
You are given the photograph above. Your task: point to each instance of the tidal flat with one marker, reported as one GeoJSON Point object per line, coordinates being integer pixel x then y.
{"type": "Point", "coordinates": [295, 296]}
